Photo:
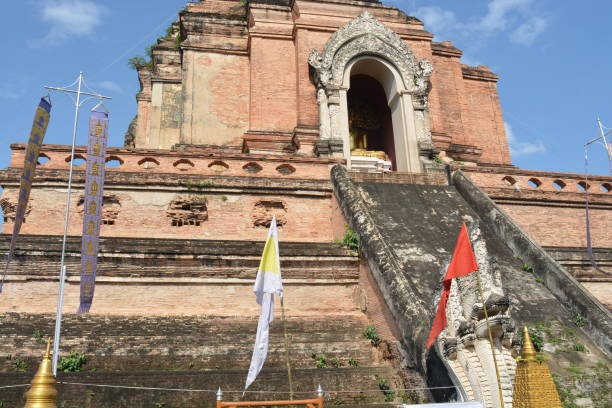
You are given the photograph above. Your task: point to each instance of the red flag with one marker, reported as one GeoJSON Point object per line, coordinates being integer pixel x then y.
{"type": "Point", "coordinates": [462, 263]}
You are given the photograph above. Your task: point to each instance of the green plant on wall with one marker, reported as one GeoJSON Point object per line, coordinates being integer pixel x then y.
{"type": "Point", "coordinates": [350, 239]}
{"type": "Point", "coordinates": [384, 386]}
{"type": "Point", "coordinates": [579, 320]}
{"type": "Point", "coordinates": [73, 363]}
{"type": "Point", "coordinates": [371, 334]}
{"type": "Point", "coordinates": [19, 365]}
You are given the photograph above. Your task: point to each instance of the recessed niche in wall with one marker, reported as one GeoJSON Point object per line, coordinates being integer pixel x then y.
{"type": "Point", "coordinates": [9, 209]}
{"type": "Point", "coordinates": [111, 207]}
{"type": "Point", "coordinates": [183, 164]}
{"type": "Point", "coordinates": [188, 210]}
{"type": "Point", "coordinates": [264, 210]}
{"type": "Point", "coordinates": [252, 167]}
{"type": "Point", "coordinates": [285, 169]}
{"type": "Point", "coordinates": [606, 187]}
{"type": "Point", "coordinates": [148, 163]}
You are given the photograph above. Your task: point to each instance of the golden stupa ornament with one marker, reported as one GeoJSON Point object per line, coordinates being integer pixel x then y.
{"type": "Point", "coordinates": [43, 394]}
{"type": "Point", "coordinates": [533, 386]}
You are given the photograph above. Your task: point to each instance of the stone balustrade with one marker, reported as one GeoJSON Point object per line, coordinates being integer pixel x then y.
{"type": "Point", "coordinates": [55, 157]}
{"type": "Point", "coordinates": [532, 180]}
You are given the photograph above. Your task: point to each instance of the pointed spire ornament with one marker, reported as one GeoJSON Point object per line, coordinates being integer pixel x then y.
{"type": "Point", "coordinates": [42, 393]}
{"type": "Point", "coordinates": [533, 386]}
{"type": "Point", "coordinates": [528, 350]}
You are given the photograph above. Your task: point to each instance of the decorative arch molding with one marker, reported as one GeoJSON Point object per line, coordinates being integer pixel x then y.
{"type": "Point", "coordinates": [407, 87]}
{"type": "Point", "coordinates": [362, 36]}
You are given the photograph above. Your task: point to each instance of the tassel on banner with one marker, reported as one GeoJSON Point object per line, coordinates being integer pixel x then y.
{"type": "Point", "coordinates": [92, 215]}
{"type": "Point", "coordinates": [37, 134]}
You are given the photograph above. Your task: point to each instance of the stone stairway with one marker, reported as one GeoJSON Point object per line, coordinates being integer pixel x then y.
{"type": "Point", "coordinates": [407, 232]}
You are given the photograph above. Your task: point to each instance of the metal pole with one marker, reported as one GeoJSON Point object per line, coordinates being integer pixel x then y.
{"type": "Point", "coordinates": [605, 142]}
{"type": "Point", "coordinates": [484, 308]}
{"type": "Point", "coordinates": [58, 319]}
{"type": "Point", "coordinates": [287, 349]}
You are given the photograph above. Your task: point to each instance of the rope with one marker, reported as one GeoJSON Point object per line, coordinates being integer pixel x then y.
{"type": "Point", "coordinates": [588, 220]}
{"type": "Point", "coordinates": [14, 386]}
{"type": "Point", "coordinates": [254, 392]}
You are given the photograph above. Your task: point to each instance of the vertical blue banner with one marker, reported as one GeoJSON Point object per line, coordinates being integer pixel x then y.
{"type": "Point", "coordinates": [92, 214]}
{"type": "Point", "coordinates": [37, 134]}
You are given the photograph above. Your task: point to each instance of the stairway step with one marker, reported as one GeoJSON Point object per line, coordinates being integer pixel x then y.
{"type": "Point", "coordinates": [343, 385]}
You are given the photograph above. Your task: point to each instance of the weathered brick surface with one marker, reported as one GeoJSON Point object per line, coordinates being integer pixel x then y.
{"type": "Point", "coordinates": [550, 207]}
{"type": "Point", "coordinates": [344, 385]}
{"type": "Point", "coordinates": [174, 277]}
{"type": "Point", "coordinates": [235, 205]}
{"type": "Point", "coordinates": [405, 247]}
{"type": "Point", "coordinates": [186, 161]}
{"type": "Point", "coordinates": [154, 343]}
{"type": "Point", "coordinates": [247, 70]}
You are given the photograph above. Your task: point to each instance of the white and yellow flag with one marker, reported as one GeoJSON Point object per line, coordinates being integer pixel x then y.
{"type": "Point", "coordinates": [267, 283]}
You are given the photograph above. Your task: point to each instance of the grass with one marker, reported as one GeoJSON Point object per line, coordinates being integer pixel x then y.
{"type": "Point", "coordinates": [73, 363]}
{"type": "Point", "coordinates": [19, 365]}
{"type": "Point", "coordinates": [320, 360]}
{"type": "Point", "coordinates": [350, 239]}
{"type": "Point", "coordinates": [386, 389]}
{"type": "Point", "coordinates": [371, 334]}
{"type": "Point", "coordinates": [579, 320]}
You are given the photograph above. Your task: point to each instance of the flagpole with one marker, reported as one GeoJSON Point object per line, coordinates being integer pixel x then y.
{"type": "Point", "coordinates": [77, 104]}
{"type": "Point", "coordinates": [484, 307]}
{"type": "Point", "coordinates": [287, 348]}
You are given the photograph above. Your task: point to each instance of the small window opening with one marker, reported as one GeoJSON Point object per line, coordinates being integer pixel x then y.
{"type": "Point", "coordinates": [534, 183]}
{"type": "Point", "coordinates": [559, 184]}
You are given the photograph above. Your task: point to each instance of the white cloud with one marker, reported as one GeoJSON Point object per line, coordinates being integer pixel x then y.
{"type": "Point", "coordinates": [498, 18]}
{"type": "Point", "coordinates": [503, 16]}
{"type": "Point", "coordinates": [109, 86]}
{"type": "Point", "coordinates": [526, 33]}
{"type": "Point", "coordinates": [436, 19]}
{"type": "Point", "coordinates": [69, 18]}
{"type": "Point", "coordinates": [522, 148]}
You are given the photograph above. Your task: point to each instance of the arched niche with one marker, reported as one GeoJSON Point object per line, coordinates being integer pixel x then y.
{"type": "Point", "coordinates": [366, 46]}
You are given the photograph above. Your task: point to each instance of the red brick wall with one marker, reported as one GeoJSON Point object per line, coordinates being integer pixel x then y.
{"type": "Point", "coordinates": [231, 214]}
{"type": "Point", "coordinates": [485, 127]}
{"type": "Point", "coordinates": [204, 163]}
{"type": "Point", "coordinates": [273, 85]}
{"type": "Point", "coordinates": [552, 217]}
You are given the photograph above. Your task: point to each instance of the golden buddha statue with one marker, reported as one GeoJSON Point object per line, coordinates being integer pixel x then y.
{"type": "Point", "coordinates": [362, 118]}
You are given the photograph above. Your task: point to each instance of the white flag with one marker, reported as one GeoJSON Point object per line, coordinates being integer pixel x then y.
{"type": "Point", "coordinates": [267, 283]}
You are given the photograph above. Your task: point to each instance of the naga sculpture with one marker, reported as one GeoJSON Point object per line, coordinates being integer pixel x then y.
{"type": "Point", "coordinates": [464, 345]}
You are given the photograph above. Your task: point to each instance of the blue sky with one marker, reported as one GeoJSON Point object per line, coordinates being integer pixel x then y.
{"type": "Point", "coordinates": [554, 58]}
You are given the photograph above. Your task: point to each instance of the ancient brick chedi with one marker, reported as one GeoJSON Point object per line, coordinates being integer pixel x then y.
{"type": "Point", "coordinates": [321, 113]}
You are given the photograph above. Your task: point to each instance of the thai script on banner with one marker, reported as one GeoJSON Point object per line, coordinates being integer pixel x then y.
{"type": "Point", "coordinates": [93, 200]}
{"type": "Point", "coordinates": [37, 134]}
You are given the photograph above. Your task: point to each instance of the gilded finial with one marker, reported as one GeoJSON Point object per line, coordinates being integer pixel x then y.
{"type": "Point", "coordinates": [533, 385]}
{"type": "Point", "coordinates": [528, 350]}
{"type": "Point", "coordinates": [42, 393]}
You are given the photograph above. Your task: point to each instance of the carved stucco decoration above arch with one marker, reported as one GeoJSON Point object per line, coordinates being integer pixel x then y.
{"type": "Point", "coordinates": [366, 37]}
